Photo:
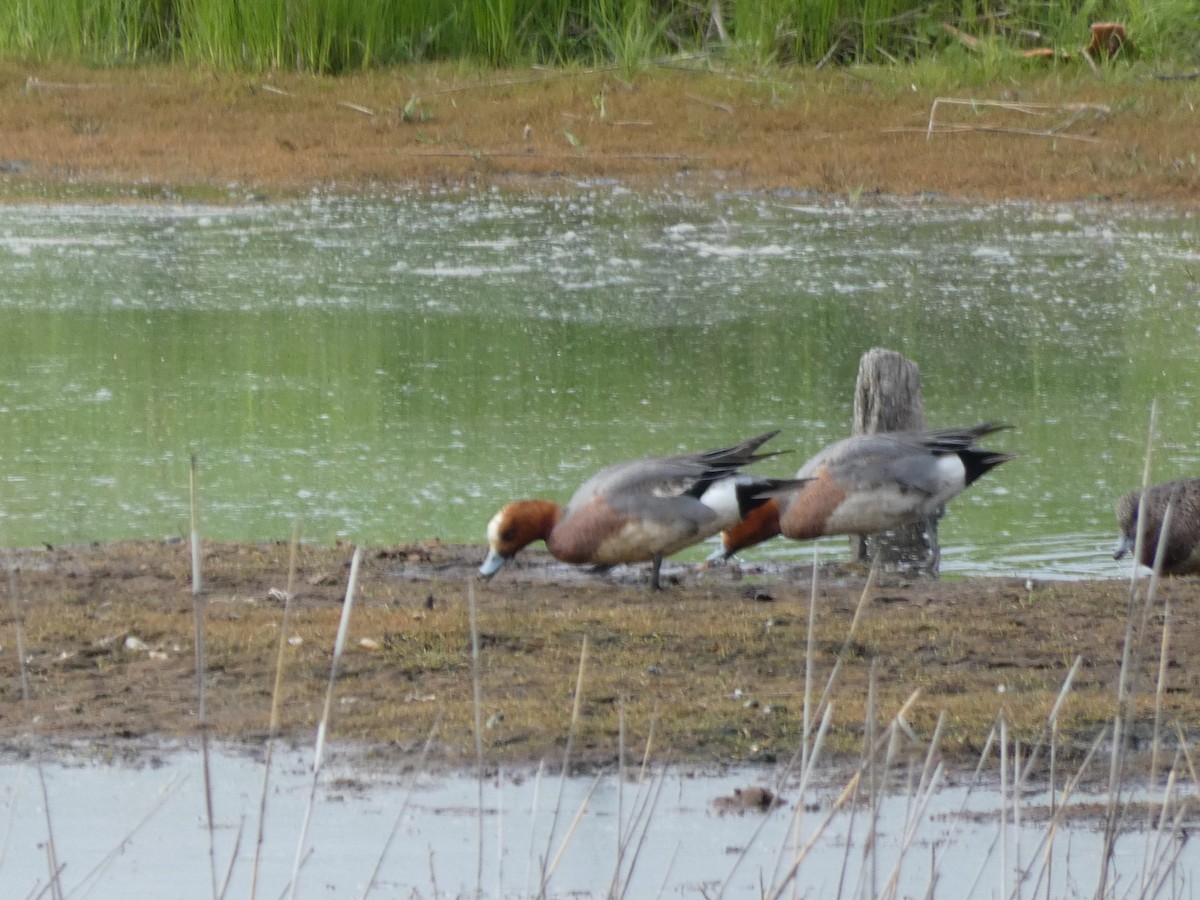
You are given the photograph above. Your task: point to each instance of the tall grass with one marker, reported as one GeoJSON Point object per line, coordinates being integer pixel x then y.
{"type": "Point", "coordinates": [331, 36]}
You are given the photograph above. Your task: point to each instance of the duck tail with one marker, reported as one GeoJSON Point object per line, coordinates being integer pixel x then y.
{"type": "Point", "coordinates": [727, 459]}
{"type": "Point", "coordinates": [979, 462]}
{"type": "Point", "coordinates": [754, 492]}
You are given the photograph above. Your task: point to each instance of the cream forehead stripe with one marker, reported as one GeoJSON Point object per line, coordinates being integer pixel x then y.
{"type": "Point", "coordinates": [493, 529]}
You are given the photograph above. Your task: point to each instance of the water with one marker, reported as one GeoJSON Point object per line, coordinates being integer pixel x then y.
{"type": "Point", "coordinates": [142, 830]}
{"type": "Point", "coordinates": [394, 369]}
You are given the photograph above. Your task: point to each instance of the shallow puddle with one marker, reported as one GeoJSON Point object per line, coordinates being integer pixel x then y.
{"type": "Point", "coordinates": [126, 829]}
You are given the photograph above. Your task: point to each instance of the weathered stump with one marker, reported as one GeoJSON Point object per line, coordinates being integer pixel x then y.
{"type": "Point", "coordinates": [887, 397]}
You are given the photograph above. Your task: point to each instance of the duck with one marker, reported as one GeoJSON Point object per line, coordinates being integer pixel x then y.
{"type": "Point", "coordinates": [1182, 553]}
{"type": "Point", "coordinates": [638, 511]}
{"type": "Point", "coordinates": [868, 484]}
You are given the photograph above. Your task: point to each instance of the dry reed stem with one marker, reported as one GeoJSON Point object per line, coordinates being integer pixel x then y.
{"type": "Point", "coordinates": [572, 728]}
{"type": "Point", "coordinates": [867, 871]}
{"type": "Point", "coordinates": [858, 612]}
{"type": "Point", "coordinates": [1161, 682]}
{"type": "Point", "coordinates": [847, 792]}
{"type": "Point", "coordinates": [1004, 801]}
{"type": "Point", "coordinates": [477, 708]}
{"type": "Point", "coordinates": [165, 793]}
{"type": "Point", "coordinates": [799, 808]}
{"type": "Point", "coordinates": [801, 789]}
{"type": "Point", "coordinates": [1125, 691]}
{"type": "Point", "coordinates": [566, 841]}
{"type": "Point", "coordinates": [53, 867]}
{"type": "Point", "coordinates": [395, 829]}
{"type": "Point", "coordinates": [649, 743]}
{"type": "Point", "coordinates": [339, 645]}
{"type": "Point", "coordinates": [809, 654]}
{"type": "Point", "coordinates": [621, 832]}
{"type": "Point", "coordinates": [537, 791]}
{"type": "Point", "coordinates": [643, 817]}
{"type": "Point", "coordinates": [1044, 844]}
{"type": "Point", "coordinates": [233, 857]}
{"type": "Point", "coordinates": [930, 761]}
{"type": "Point", "coordinates": [1051, 721]}
{"type": "Point", "coordinates": [276, 693]}
{"type": "Point", "coordinates": [931, 777]}
{"type": "Point", "coordinates": [198, 612]}
{"type": "Point", "coordinates": [1158, 825]}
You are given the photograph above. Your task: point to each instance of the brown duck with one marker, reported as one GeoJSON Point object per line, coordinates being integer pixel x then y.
{"type": "Point", "coordinates": [1182, 553]}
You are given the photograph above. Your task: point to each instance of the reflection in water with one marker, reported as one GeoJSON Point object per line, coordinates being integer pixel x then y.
{"type": "Point", "coordinates": [141, 830]}
{"type": "Point", "coordinates": [393, 370]}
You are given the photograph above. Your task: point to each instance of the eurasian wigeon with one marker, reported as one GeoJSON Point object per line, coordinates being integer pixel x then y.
{"type": "Point", "coordinates": [638, 511]}
{"type": "Point", "coordinates": [1182, 553]}
{"type": "Point", "coordinates": [868, 484]}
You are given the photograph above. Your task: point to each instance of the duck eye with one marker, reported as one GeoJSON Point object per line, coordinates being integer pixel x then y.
{"type": "Point", "coordinates": [508, 534]}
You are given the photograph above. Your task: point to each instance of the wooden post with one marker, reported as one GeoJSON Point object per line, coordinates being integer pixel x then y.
{"type": "Point", "coordinates": [887, 397]}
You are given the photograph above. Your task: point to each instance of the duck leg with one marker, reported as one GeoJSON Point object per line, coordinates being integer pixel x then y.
{"type": "Point", "coordinates": [655, 565]}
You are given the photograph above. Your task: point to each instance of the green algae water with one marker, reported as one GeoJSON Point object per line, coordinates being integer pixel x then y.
{"type": "Point", "coordinates": [394, 369]}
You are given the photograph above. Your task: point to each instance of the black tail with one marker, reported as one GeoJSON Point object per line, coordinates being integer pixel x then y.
{"type": "Point", "coordinates": [726, 461]}
{"type": "Point", "coordinates": [757, 491]}
{"type": "Point", "coordinates": [950, 440]}
{"type": "Point", "coordinates": [979, 462]}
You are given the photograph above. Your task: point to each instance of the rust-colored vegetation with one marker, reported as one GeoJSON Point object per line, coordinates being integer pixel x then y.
{"type": "Point", "coordinates": [1056, 133]}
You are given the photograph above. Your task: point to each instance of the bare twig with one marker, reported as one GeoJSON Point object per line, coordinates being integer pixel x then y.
{"type": "Point", "coordinates": [87, 882]}
{"type": "Point", "coordinates": [723, 107]}
{"type": "Point", "coordinates": [547, 75]}
{"type": "Point", "coordinates": [600, 157]}
{"type": "Point", "coordinates": [35, 83]}
{"type": "Point", "coordinates": [1030, 109]}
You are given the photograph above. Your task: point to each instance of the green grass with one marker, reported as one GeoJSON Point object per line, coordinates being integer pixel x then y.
{"type": "Point", "coordinates": [332, 36]}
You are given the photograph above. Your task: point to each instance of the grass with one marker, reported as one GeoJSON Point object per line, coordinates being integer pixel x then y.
{"type": "Point", "coordinates": [336, 36]}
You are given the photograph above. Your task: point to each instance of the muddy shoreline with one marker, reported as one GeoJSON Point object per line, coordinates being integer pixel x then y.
{"type": "Point", "coordinates": [709, 671]}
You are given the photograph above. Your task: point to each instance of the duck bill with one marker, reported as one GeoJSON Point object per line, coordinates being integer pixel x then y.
{"type": "Point", "coordinates": [1125, 545]}
{"type": "Point", "coordinates": [718, 556]}
{"type": "Point", "coordinates": [491, 565]}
